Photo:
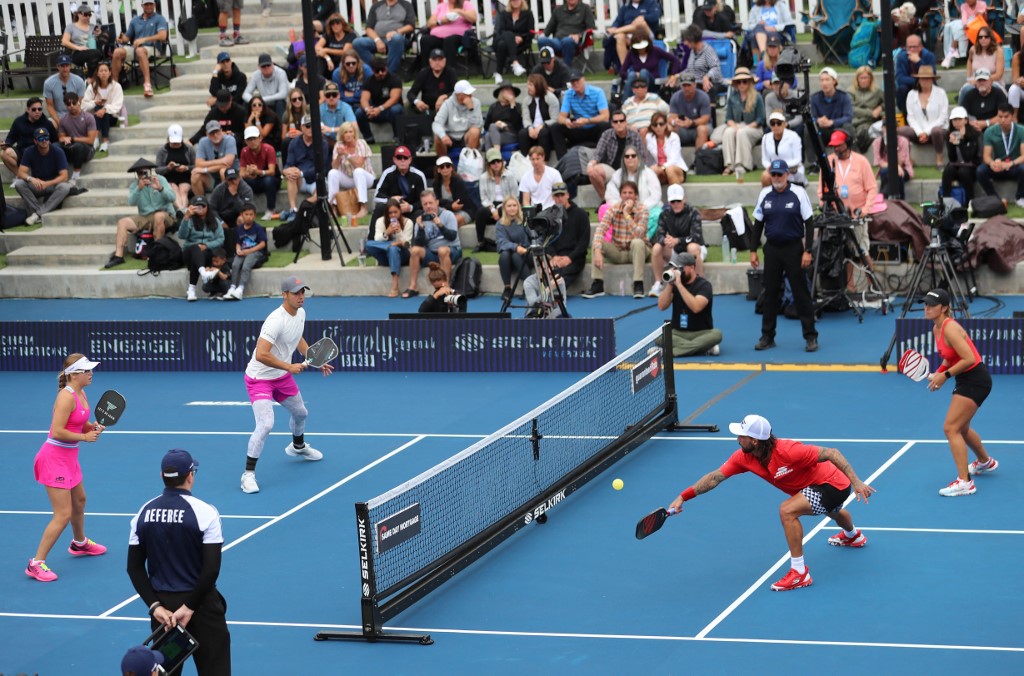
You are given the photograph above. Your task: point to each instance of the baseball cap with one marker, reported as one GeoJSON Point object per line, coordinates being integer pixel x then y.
{"type": "Point", "coordinates": [293, 285]}
{"type": "Point", "coordinates": [402, 151]}
{"type": "Point", "coordinates": [559, 188]}
{"type": "Point", "coordinates": [83, 364]}
{"type": "Point", "coordinates": [252, 132]}
{"type": "Point", "coordinates": [493, 155]}
{"type": "Point", "coordinates": [547, 55]}
{"type": "Point", "coordinates": [958, 112]}
{"type": "Point", "coordinates": [774, 40]}
{"type": "Point", "coordinates": [778, 167]}
{"type": "Point", "coordinates": [306, 119]}
{"type": "Point", "coordinates": [575, 75]}
{"type": "Point", "coordinates": [709, 5]}
{"type": "Point", "coordinates": [223, 96]}
{"type": "Point", "coordinates": [141, 660]}
{"type": "Point", "coordinates": [230, 173]}
{"type": "Point", "coordinates": [265, 60]}
{"type": "Point", "coordinates": [837, 137]}
{"type": "Point", "coordinates": [688, 78]}
{"type": "Point", "coordinates": [175, 133]}
{"type": "Point", "coordinates": [222, 57]}
{"type": "Point", "coordinates": [831, 72]}
{"type": "Point", "coordinates": [642, 44]}
{"type": "Point", "coordinates": [177, 462]}
{"type": "Point", "coordinates": [463, 87]}
{"type": "Point", "coordinates": [676, 192]}
{"type": "Point", "coordinates": [40, 135]}
{"type": "Point", "coordinates": [212, 126]}
{"type": "Point", "coordinates": [65, 60]}
{"type": "Point", "coordinates": [148, 2]}
{"type": "Point", "coordinates": [641, 77]}
{"type": "Point", "coordinates": [437, 53]}
{"type": "Point", "coordinates": [753, 426]}
{"type": "Point", "coordinates": [982, 74]}
{"type": "Point", "coordinates": [199, 201]}
{"type": "Point", "coordinates": [777, 115]}
{"type": "Point", "coordinates": [937, 297]}
{"type": "Point", "coordinates": [444, 159]}
{"type": "Point", "coordinates": [84, 8]}
{"type": "Point", "coordinates": [330, 87]}
{"type": "Point", "coordinates": [681, 259]}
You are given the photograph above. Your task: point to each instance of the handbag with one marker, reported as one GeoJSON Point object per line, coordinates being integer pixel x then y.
{"type": "Point", "coordinates": [518, 165]}
{"type": "Point", "coordinates": [471, 165]}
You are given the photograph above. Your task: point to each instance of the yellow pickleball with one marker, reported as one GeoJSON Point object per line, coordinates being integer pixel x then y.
{"type": "Point", "coordinates": [617, 484]}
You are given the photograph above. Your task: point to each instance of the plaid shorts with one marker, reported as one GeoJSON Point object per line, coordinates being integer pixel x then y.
{"type": "Point", "coordinates": [825, 498]}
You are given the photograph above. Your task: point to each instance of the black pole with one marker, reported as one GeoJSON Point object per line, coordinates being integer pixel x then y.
{"type": "Point", "coordinates": [313, 69]}
{"type": "Point", "coordinates": [892, 187]}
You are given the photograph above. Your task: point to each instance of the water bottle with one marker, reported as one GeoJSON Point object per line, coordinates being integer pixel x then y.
{"type": "Point", "coordinates": [732, 255]}
{"type": "Point", "coordinates": [362, 252]}
{"type": "Point", "coordinates": [622, 287]}
{"type": "Point", "coordinates": [725, 248]}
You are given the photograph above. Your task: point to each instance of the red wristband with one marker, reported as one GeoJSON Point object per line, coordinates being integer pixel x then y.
{"type": "Point", "coordinates": [688, 494]}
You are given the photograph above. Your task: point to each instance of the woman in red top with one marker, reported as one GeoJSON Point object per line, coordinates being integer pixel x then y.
{"type": "Point", "coordinates": [818, 481]}
{"type": "Point", "coordinates": [960, 359]}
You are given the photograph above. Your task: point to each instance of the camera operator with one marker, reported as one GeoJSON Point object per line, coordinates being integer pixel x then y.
{"type": "Point", "coordinates": [691, 297]}
{"type": "Point", "coordinates": [568, 253]}
{"type": "Point", "coordinates": [443, 298]}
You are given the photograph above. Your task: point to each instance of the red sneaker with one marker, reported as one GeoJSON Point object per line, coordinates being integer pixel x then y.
{"type": "Point", "coordinates": [90, 548]}
{"type": "Point", "coordinates": [840, 540]}
{"type": "Point", "coordinates": [793, 580]}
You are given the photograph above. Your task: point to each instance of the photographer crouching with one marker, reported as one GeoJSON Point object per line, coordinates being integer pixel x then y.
{"type": "Point", "coordinates": [690, 295]}
{"type": "Point", "coordinates": [443, 298]}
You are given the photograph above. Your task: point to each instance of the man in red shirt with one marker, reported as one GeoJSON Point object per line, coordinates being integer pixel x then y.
{"type": "Point", "coordinates": [817, 479]}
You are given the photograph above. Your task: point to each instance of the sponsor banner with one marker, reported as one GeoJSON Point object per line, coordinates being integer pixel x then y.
{"type": "Point", "coordinates": [1000, 342]}
{"type": "Point", "coordinates": [365, 345]}
{"type": "Point", "coordinates": [646, 372]}
{"type": "Point", "coordinates": [398, 528]}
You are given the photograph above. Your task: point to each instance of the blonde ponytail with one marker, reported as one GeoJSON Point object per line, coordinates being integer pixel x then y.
{"type": "Point", "coordinates": [62, 378]}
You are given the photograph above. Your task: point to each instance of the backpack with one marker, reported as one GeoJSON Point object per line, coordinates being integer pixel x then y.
{"type": "Point", "coordinates": [987, 206]}
{"type": "Point", "coordinates": [467, 277]}
{"type": "Point", "coordinates": [164, 254]}
{"type": "Point", "coordinates": [865, 46]}
{"type": "Point", "coordinates": [294, 230]}
{"type": "Point", "coordinates": [143, 243]}
{"type": "Point", "coordinates": [10, 216]}
{"type": "Point", "coordinates": [737, 240]}
{"type": "Point", "coordinates": [709, 162]}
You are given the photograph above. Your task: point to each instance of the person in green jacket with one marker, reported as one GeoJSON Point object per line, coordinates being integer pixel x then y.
{"type": "Point", "coordinates": [153, 197]}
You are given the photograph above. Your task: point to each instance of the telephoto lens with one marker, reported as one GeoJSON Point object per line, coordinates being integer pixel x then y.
{"type": "Point", "coordinates": [669, 276]}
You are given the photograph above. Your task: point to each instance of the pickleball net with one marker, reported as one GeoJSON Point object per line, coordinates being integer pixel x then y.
{"type": "Point", "coordinates": [421, 533]}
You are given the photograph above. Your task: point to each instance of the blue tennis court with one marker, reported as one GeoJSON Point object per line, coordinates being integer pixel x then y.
{"type": "Point", "coordinates": [934, 591]}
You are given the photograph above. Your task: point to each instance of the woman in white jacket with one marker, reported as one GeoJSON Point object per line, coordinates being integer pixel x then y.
{"type": "Point", "coordinates": [664, 148]}
{"type": "Point", "coordinates": [104, 98]}
{"type": "Point", "coordinates": [782, 143]}
{"type": "Point", "coordinates": [648, 186]}
{"type": "Point", "coordinates": [927, 113]}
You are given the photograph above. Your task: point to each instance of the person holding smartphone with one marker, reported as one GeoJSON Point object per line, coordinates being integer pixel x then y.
{"type": "Point", "coordinates": [152, 195]}
{"type": "Point", "coordinates": [963, 155]}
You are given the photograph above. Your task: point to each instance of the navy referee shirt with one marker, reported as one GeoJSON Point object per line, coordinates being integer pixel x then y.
{"type": "Point", "coordinates": [172, 529]}
{"type": "Point", "coordinates": [783, 214]}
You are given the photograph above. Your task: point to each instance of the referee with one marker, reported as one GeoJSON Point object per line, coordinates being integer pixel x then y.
{"type": "Point", "coordinates": [783, 213]}
{"type": "Point", "coordinates": [178, 538]}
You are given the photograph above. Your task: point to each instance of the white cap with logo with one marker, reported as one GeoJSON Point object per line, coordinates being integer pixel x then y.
{"type": "Point", "coordinates": [753, 426]}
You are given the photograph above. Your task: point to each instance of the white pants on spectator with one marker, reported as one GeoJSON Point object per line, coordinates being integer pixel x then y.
{"type": "Point", "coordinates": [737, 144]}
{"type": "Point", "coordinates": [954, 30]}
{"type": "Point", "coordinates": [1015, 96]}
{"type": "Point", "coordinates": [360, 179]}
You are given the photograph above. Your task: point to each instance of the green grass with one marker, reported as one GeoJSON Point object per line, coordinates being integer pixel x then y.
{"type": "Point", "coordinates": [278, 259]}
{"type": "Point", "coordinates": [3, 261]}
{"type": "Point", "coordinates": [24, 228]}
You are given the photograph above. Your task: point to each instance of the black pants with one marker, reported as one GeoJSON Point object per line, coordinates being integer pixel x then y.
{"type": "Point", "coordinates": [450, 45]}
{"type": "Point", "coordinates": [962, 173]}
{"type": "Point", "coordinates": [484, 217]}
{"type": "Point", "coordinates": [196, 258]}
{"type": "Point", "coordinates": [506, 50]}
{"type": "Point", "coordinates": [209, 627]}
{"type": "Point", "coordinates": [510, 262]}
{"type": "Point", "coordinates": [88, 58]}
{"type": "Point", "coordinates": [78, 154]}
{"type": "Point", "coordinates": [563, 137]}
{"type": "Point", "coordinates": [543, 140]}
{"type": "Point", "coordinates": [785, 259]}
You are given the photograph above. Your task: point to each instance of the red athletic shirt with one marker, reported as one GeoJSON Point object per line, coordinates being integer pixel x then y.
{"type": "Point", "coordinates": [948, 352]}
{"type": "Point", "coordinates": [793, 467]}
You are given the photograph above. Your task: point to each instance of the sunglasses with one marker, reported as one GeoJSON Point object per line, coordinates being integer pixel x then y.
{"type": "Point", "coordinates": [35, 110]}
{"type": "Point", "coordinates": [630, 156]}
{"type": "Point", "coordinates": [619, 121]}
{"type": "Point", "coordinates": [297, 99]}
{"type": "Point", "coordinates": [331, 95]}
{"type": "Point", "coordinates": [380, 70]}
{"type": "Point", "coordinates": [402, 157]}
{"type": "Point", "coordinates": [777, 174]}
{"type": "Point", "coordinates": [350, 63]}
{"type": "Point", "coordinates": [658, 124]}
{"type": "Point", "coordinates": [776, 123]}
{"type": "Point", "coordinates": [639, 85]}
{"type": "Point", "coordinates": [674, 201]}
{"type": "Point", "coordinates": [307, 126]}
{"type": "Point", "coordinates": [496, 161]}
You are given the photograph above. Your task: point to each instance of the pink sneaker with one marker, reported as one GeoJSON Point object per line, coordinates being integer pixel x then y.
{"type": "Point", "coordinates": [40, 571]}
{"type": "Point", "coordinates": [90, 548]}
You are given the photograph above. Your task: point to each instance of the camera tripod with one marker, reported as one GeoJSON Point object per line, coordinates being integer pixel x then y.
{"type": "Point", "coordinates": [551, 297]}
{"type": "Point", "coordinates": [323, 217]}
{"type": "Point", "coordinates": [837, 225]}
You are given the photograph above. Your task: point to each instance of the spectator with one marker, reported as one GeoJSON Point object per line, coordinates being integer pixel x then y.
{"type": "Point", "coordinates": [381, 100]}
{"type": "Point", "coordinates": [175, 161]}
{"type": "Point", "coordinates": [857, 188]}
{"type": "Point", "coordinates": [313, 91]}
{"type": "Point", "coordinates": [714, 25]}
{"type": "Point", "coordinates": [217, 275]}
{"type": "Point", "coordinates": [200, 232]}
{"type": "Point", "coordinates": [583, 116]}
{"type": "Point", "coordinates": [766, 65]}
{"type": "Point", "coordinates": [350, 77]}
{"type": "Point", "coordinates": [535, 185]}
{"type": "Point", "coordinates": [435, 239]}
{"type": "Point", "coordinates": [610, 148]}
{"type": "Point", "coordinates": [927, 113]}
{"type": "Point", "coordinates": [250, 251]}
{"type": "Point", "coordinates": [644, 180]}
{"type": "Point", "coordinates": [909, 60]}
{"type": "Point", "coordinates": [389, 27]}
{"type": "Point", "coordinates": [42, 175]}
{"type": "Point", "coordinates": [146, 36]}
{"type": "Point", "coordinates": [905, 168]}
{"type": "Point", "coordinates": [227, 76]}
{"type": "Point", "coordinates": [332, 45]}
{"type": "Point", "coordinates": [567, 30]}
{"type": "Point", "coordinates": [392, 238]}
{"type": "Point", "coordinates": [985, 53]}
{"type": "Point", "coordinates": [59, 84]}
{"type": "Point", "coordinates": [496, 183]}
{"type": "Point", "coordinates": [703, 65]}
{"type": "Point", "coordinates": [568, 252]}
{"type": "Point", "coordinates": [555, 72]}
{"type": "Point", "coordinates": [690, 297]}
{"type": "Point", "coordinates": [642, 105]}
{"type": "Point", "coordinates": [513, 245]}
{"type": "Point", "coordinates": [333, 113]}
{"type": "Point", "coordinates": [452, 192]}
{"type": "Point", "coordinates": [744, 125]}
{"type": "Point", "coordinates": [664, 152]}
{"type": "Point", "coordinates": [504, 118]}
{"type": "Point", "coordinates": [301, 171]}
{"type": "Point", "coordinates": [351, 168]}
{"type": "Point", "coordinates": [291, 121]}
{"type": "Point", "coordinates": [263, 117]}
{"type": "Point", "coordinates": [954, 36]}
{"type": "Point", "coordinates": [963, 154]}
{"type": "Point", "coordinates": [77, 37]}
{"type": "Point", "coordinates": [76, 133]}
{"type": "Point", "coordinates": [539, 114]}
{"type": "Point", "coordinates": [831, 107]}
{"type": "Point", "coordinates": [215, 154]}
{"type": "Point", "coordinates": [680, 230]}
{"type": "Point", "coordinates": [766, 17]}
{"type": "Point", "coordinates": [781, 143]}
{"type": "Point", "coordinates": [272, 83]}
{"type": "Point", "coordinates": [983, 101]}
{"type": "Point", "coordinates": [142, 661]}
{"type": "Point", "coordinates": [104, 98]}
{"type": "Point", "coordinates": [638, 20]}
{"type": "Point", "coordinates": [778, 98]}
{"type": "Point", "coordinates": [1003, 153]}
{"type": "Point", "coordinates": [235, 7]}
{"type": "Point", "coordinates": [447, 27]}
{"type": "Point", "coordinates": [231, 117]}
{"type": "Point", "coordinates": [689, 113]}
{"type": "Point", "coordinates": [513, 35]}
{"type": "Point", "coordinates": [867, 101]}
{"type": "Point", "coordinates": [1015, 15]}
{"type": "Point", "coordinates": [226, 202]}
{"type": "Point", "coordinates": [23, 129]}
{"type": "Point", "coordinates": [459, 121]}
{"type": "Point", "coordinates": [1016, 91]}
{"type": "Point", "coordinates": [258, 167]}
{"type": "Point", "coordinates": [433, 85]}
{"type": "Point", "coordinates": [153, 199]}
{"type": "Point", "coordinates": [626, 224]}
{"type": "Point", "coordinates": [647, 59]}
{"type": "Point", "coordinates": [401, 182]}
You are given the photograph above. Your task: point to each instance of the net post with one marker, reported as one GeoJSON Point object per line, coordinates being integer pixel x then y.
{"type": "Point", "coordinates": [671, 397]}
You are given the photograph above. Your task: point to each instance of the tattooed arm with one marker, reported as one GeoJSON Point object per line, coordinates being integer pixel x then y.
{"type": "Point", "coordinates": [705, 484]}
{"type": "Point", "coordinates": [861, 489]}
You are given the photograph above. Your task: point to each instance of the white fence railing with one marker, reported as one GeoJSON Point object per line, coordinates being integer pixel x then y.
{"type": "Point", "coordinates": [50, 17]}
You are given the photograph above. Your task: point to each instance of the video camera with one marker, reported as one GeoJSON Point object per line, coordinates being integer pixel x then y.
{"type": "Point", "coordinates": [546, 225]}
{"type": "Point", "coordinates": [949, 229]}
{"type": "Point", "coordinates": [789, 64]}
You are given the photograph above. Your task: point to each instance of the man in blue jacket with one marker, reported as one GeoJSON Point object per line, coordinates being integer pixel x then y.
{"type": "Point", "coordinates": [300, 171]}
{"type": "Point", "coordinates": [908, 62]}
{"type": "Point", "coordinates": [635, 17]}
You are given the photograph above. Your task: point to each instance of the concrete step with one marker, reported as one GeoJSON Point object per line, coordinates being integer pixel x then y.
{"type": "Point", "coordinates": [68, 237]}
{"type": "Point", "coordinates": [59, 256]}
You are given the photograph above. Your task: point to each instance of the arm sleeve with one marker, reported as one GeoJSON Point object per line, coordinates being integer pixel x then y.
{"type": "Point", "coordinates": [441, 120]}
{"type": "Point", "coordinates": [208, 574]}
{"type": "Point", "coordinates": [138, 575]}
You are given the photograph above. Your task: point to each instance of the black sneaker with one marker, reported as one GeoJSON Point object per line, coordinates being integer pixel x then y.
{"type": "Point", "coordinates": [114, 262]}
{"type": "Point", "coordinates": [765, 343]}
{"type": "Point", "coordinates": [596, 289]}
{"type": "Point", "coordinates": [812, 345]}
{"type": "Point", "coordinates": [638, 289]}
{"type": "Point", "coordinates": [506, 295]}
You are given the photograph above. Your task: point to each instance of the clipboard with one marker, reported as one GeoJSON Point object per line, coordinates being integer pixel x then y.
{"type": "Point", "coordinates": [176, 645]}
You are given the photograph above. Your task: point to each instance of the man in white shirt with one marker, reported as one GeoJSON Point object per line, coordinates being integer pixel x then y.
{"type": "Point", "coordinates": [269, 378]}
{"type": "Point", "coordinates": [535, 185]}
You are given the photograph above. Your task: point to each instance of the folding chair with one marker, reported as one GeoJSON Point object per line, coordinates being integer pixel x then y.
{"type": "Point", "coordinates": [727, 56]}
{"type": "Point", "coordinates": [582, 60]}
{"type": "Point", "coordinates": [833, 23]}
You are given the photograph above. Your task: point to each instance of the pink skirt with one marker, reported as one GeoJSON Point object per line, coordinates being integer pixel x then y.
{"type": "Point", "coordinates": [58, 467]}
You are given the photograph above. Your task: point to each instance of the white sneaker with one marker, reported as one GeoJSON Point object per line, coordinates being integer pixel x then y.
{"type": "Point", "coordinates": [497, 78]}
{"type": "Point", "coordinates": [239, 290]}
{"type": "Point", "coordinates": [978, 467]}
{"type": "Point", "coordinates": [265, 13]}
{"type": "Point", "coordinates": [103, 147]}
{"type": "Point", "coordinates": [714, 352]}
{"type": "Point", "coordinates": [1019, 202]}
{"type": "Point", "coordinates": [657, 289]}
{"type": "Point", "coordinates": [32, 219]}
{"type": "Point", "coordinates": [96, 141]}
{"type": "Point", "coordinates": [307, 452]}
{"type": "Point", "coordinates": [517, 69]}
{"type": "Point", "coordinates": [267, 216]}
{"type": "Point", "coordinates": [249, 484]}
{"type": "Point", "coordinates": [190, 295]}
{"type": "Point", "coordinates": [957, 488]}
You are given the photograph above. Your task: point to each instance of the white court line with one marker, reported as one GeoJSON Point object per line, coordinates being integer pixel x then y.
{"type": "Point", "coordinates": [785, 558]}
{"type": "Point", "coordinates": [554, 634]}
{"type": "Point", "coordinates": [954, 531]}
{"type": "Point", "coordinates": [22, 512]}
{"type": "Point", "coordinates": [291, 511]}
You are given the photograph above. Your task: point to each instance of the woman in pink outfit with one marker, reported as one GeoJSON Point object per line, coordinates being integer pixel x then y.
{"type": "Point", "coordinates": [57, 468]}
